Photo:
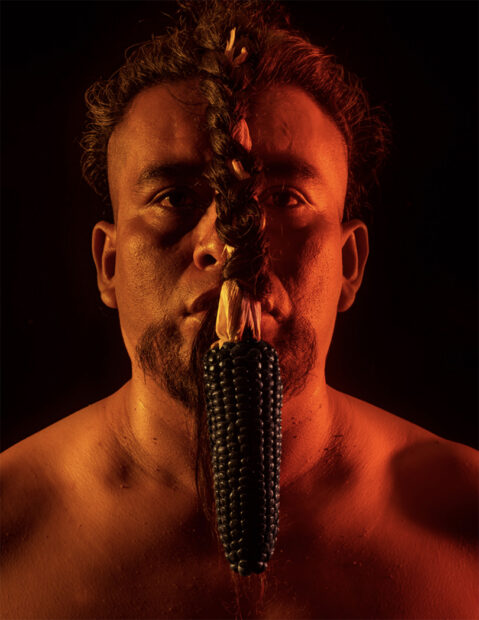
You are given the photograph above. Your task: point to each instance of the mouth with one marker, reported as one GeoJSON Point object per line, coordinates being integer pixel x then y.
{"type": "Point", "coordinates": [204, 302]}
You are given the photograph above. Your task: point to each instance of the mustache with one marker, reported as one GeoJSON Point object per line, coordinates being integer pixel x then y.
{"type": "Point", "coordinates": [158, 355]}
{"type": "Point", "coordinates": [206, 301]}
{"type": "Point", "coordinates": [205, 337]}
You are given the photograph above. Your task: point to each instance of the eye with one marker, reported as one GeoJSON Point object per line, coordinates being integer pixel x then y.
{"type": "Point", "coordinates": [282, 198]}
{"type": "Point", "coordinates": [185, 199]}
{"type": "Point", "coordinates": [180, 199]}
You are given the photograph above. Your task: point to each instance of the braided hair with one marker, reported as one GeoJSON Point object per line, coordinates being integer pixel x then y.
{"type": "Point", "coordinates": [225, 77]}
{"type": "Point", "coordinates": [237, 48]}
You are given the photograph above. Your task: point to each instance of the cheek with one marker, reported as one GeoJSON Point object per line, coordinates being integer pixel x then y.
{"type": "Point", "coordinates": [145, 273]}
{"type": "Point", "coordinates": [308, 263]}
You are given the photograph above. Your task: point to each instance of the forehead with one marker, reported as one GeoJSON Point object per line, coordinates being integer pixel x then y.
{"type": "Point", "coordinates": [166, 124]}
{"type": "Point", "coordinates": [285, 119]}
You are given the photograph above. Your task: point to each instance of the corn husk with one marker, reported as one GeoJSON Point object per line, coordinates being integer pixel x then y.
{"type": "Point", "coordinates": [236, 312]}
{"type": "Point", "coordinates": [241, 134]}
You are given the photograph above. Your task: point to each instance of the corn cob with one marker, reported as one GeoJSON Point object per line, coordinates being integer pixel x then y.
{"type": "Point", "coordinates": [244, 397]}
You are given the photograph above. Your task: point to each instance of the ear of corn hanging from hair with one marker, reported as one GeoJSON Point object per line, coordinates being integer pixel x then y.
{"type": "Point", "coordinates": [244, 397]}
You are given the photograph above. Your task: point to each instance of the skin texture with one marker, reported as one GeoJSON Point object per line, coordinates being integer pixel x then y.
{"type": "Point", "coordinates": [101, 519]}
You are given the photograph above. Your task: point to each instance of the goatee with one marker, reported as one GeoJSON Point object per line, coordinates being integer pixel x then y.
{"type": "Point", "coordinates": [160, 354]}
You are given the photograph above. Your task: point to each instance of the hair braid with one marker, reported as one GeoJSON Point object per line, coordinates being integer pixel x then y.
{"type": "Point", "coordinates": [240, 221]}
{"type": "Point", "coordinates": [195, 47]}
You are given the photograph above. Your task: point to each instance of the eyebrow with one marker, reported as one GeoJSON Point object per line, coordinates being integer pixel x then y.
{"type": "Point", "coordinates": [290, 166]}
{"type": "Point", "coordinates": [170, 170]}
{"type": "Point", "coordinates": [284, 166]}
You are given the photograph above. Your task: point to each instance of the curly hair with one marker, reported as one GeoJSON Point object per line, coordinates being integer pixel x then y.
{"type": "Point", "coordinates": [276, 54]}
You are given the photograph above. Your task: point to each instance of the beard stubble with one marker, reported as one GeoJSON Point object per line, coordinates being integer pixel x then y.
{"type": "Point", "coordinates": [160, 354]}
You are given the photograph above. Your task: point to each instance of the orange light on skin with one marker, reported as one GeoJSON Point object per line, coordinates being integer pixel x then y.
{"type": "Point", "coordinates": [108, 495]}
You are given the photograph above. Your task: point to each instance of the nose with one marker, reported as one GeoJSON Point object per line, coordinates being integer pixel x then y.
{"type": "Point", "coordinates": [208, 253]}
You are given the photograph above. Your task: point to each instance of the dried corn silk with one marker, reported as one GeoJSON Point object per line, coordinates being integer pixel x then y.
{"type": "Point", "coordinates": [244, 397]}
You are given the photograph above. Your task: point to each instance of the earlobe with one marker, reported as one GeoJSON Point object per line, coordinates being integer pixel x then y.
{"type": "Point", "coordinates": [355, 250]}
{"type": "Point", "coordinates": [104, 255]}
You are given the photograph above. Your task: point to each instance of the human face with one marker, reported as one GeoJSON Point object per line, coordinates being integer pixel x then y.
{"type": "Point", "coordinates": [163, 253]}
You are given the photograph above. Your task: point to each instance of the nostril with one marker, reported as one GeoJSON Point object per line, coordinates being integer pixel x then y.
{"type": "Point", "coordinates": [208, 260]}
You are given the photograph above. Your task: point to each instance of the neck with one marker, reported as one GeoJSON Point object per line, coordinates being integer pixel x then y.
{"type": "Point", "coordinates": [156, 432]}
{"type": "Point", "coordinates": [311, 424]}
{"type": "Point", "coordinates": [159, 434]}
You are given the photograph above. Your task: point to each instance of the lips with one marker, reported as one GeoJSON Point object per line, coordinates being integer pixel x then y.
{"type": "Point", "coordinates": [205, 301]}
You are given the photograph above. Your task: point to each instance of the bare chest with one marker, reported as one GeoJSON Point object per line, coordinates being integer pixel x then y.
{"type": "Point", "coordinates": [179, 580]}
{"type": "Point", "coordinates": [124, 564]}
{"type": "Point", "coordinates": [73, 575]}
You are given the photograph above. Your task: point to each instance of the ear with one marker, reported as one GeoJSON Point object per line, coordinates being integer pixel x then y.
{"type": "Point", "coordinates": [355, 250]}
{"type": "Point", "coordinates": [104, 255]}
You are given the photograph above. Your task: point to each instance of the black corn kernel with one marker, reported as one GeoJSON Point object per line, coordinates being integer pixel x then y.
{"type": "Point", "coordinates": [244, 394]}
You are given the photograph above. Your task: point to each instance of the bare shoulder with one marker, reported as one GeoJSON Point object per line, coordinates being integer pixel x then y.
{"type": "Point", "coordinates": [35, 475]}
{"type": "Point", "coordinates": [435, 481]}
{"type": "Point", "coordinates": [38, 477]}
{"type": "Point", "coordinates": [30, 476]}
{"type": "Point", "coordinates": [422, 521]}
{"type": "Point", "coordinates": [437, 486]}
{"type": "Point", "coordinates": [25, 496]}
{"type": "Point", "coordinates": [426, 517]}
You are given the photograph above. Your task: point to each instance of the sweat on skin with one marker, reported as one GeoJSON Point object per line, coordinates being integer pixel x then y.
{"type": "Point", "coordinates": [356, 537]}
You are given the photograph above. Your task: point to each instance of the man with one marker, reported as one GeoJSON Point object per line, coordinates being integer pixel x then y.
{"type": "Point", "coordinates": [102, 514]}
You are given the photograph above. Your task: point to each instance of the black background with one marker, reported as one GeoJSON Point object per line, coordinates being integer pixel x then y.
{"type": "Point", "coordinates": [409, 343]}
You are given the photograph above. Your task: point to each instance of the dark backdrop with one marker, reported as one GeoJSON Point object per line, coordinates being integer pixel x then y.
{"type": "Point", "coordinates": [408, 344]}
